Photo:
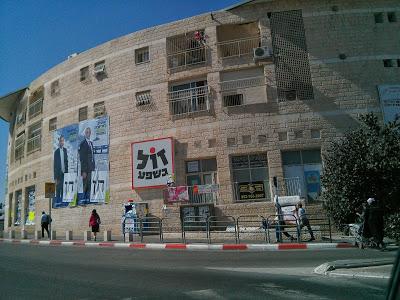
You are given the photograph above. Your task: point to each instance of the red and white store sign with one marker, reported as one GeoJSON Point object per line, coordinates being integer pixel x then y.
{"type": "Point", "coordinates": [152, 163]}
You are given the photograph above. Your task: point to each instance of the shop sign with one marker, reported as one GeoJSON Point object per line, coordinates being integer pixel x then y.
{"type": "Point", "coordinates": [251, 191]}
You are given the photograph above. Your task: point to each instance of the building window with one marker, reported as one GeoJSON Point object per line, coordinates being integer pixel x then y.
{"type": "Point", "coordinates": [392, 17]}
{"type": "Point", "coordinates": [189, 98]}
{"type": "Point", "coordinates": [99, 68]}
{"type": "Point", "coordinates": [246, 139]}
{"type": "Point", "coordinates": [298, 134]}
{"type": "Point", "coordinates": [302, 171]}
{"type": "Point", "coordinates": [21, 118]}
{"type": "Point", "coordinates": [19, 148]}
{"type": "Point", "coordinates": [185, 50]}
{"type": "Point", "coordinates": [36, 103]}
{"type": "Point", "coordinates": [55, 88]}
{"type": "Point", "coordinates": [84, 74]}
{"type": "Point", "coordinates": [201, 172]}
{"type": "Point", "coordinates": [30, 203]}
{"type": "Point", "coordinates": [315, 133]}
{"type": "Point", "coordinates": [53, 124]}
{"type": "Point", "coordinates": [232, 100]}
{"type": "Point", "coordinates": [388, 63]}
{"type": "Point", "coordinates": [83, 113]}
{"type": "Point", "coordinates": [18, 208]}
{"type": "Point", "coordinates": [378, 17]}
{"type": "Point", "coordinates": [34, 137]}
{"type": "Point", "coordinates": [250, 177]}
{"type": "Point", "coordinates": [99, 109]}
{"type": "Point", "coordinates": [212, 143]}
{"type": "Point", "coordinates": [231, 141]}
{"type": "Point", "coordinates": [142, 55]}
{"type": "Point", "coordinates": [143, 98]}
{"type": "Point", "coordinates": [282, 136]}
{"type": "Point", "coordinates": [262, 138]}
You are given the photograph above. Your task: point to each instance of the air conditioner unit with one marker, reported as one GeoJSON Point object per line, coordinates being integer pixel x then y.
{"type": "Point", "coordinates": [99, 69]}
{"type": "Point", "coordinates": [262, 53]}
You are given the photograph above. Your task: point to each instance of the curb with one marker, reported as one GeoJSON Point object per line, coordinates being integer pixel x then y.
{"type": "Point", "coordinates": [190, 247]}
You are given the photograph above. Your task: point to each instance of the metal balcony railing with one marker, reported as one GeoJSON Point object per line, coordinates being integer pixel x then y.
{"type": "Point", "coordinates": [292, 186]}
{"type": "Point", "coordinates": [189, 100]}
{"type": "Point", "coordinates": [34, 143]}
{"type": "Point", "coordinates": [239, 47]}
{"type": "Point", "coordinates": [186, 58]}
{"type": "Point", "coordinates": [242, 83]}
{"type": "Point", "coordinates": [199, 194]}
{"type": "Point", "coordinates": [35, 108]}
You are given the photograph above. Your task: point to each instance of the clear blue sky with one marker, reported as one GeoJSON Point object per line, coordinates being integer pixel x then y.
{"type": "Point", "coordinates": [36, 35]}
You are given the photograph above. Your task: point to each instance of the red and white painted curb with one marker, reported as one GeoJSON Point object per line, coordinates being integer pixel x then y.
{"type": "Point", "coordinates": [180, 246]}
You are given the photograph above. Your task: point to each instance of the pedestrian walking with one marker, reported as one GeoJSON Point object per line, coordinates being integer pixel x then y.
{"type": "Point", "coordinates": [94, 222]}
{"type": "Point", "coordinates": [45, 220]}
{"type": "Point", "coordinates": [374, 221]}
{"type": "Point", "coordinates": [280, 223]}
{"type": "Point", "coordinates": [301, 215]}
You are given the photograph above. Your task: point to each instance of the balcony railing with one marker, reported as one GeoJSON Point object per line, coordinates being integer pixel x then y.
{"type": "Point", "coordinates": [35, 108]}
{"type": "Point", "coordinates": [243, 83]}
{"type": "Point", "coordinates": [34, 143]}
{"type": "Point", "coordinates": [198, 194]}
{"type": "Point", "coordinates": [189, 101]}
{"type": "Point", "coordinates": [239, 47]}
{"type": "Point", "coordinates": [186, 58]}
{"type": "Point", "coordinates": [19, 151]}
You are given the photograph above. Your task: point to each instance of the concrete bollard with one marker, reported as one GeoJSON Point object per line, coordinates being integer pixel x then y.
{"type": "Point", "coordinates": [53, 235]}
{"type": "Point", "coordinates": [107, 235]}
{"type": "Point", "coordinates": [24, 234]}
{"type": "Point", "coordinates": [11, 234]}
{"type": "Point", "coordinates": [68, 235]}
{"type": "Point", "coordinates": [87, 236]}
{"type": "Point", "coordinates": [128, 237]}
{"type": "Point", "coordinates": [38, 234]}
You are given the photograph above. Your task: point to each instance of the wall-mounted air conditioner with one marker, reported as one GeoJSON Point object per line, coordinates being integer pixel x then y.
{"type": "Point", "coordinates": [262, 53]}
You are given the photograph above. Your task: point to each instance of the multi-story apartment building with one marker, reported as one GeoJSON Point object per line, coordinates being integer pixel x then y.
{"type": "Point", "coordinates": [245, 94]}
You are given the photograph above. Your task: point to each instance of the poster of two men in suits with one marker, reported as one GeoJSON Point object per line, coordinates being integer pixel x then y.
{"type": "Point", "coordinates": [81, 163]}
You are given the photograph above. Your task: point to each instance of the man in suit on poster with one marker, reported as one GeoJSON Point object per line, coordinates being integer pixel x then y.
{"type": "Point", "coordinates": [60, 166]}
{"type": "Point", "coordinates": [86, 157]}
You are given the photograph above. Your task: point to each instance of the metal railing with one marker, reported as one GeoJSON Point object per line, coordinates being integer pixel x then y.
{"type": "Point", "coordinates": [286, 224]}
{"type": "Point", "coordinates": [318, 224]}
{"type": "Point", "coordinates": [243, 83]}
{"type": "Point", "coordinates": [220, 225]}
{"type": "Point", "coordinates": [253, 193]}
{"type": "Point", "coordinates": [194, 223]}
{"type": "Point", "coordinates": [35, 108]}
{"type": "Point", "coordinates": [291, 186]}
{"type": "Point", "coordinates": [239, 47]}
{"type": "Point", "coordinates": [196, 196]}
{"type": "Point", "coordinates": [34, 143]}
{"type": "Point", "coordinates": [251, 224]}
{"type": "Point", "coordinates": [186, 58]}
{"type": "Point", "coordinates": [189, 100]}
{"type": "Point", "coordinates": [150, 226]}
{"type": "Point", "coordinates": [199, 194]}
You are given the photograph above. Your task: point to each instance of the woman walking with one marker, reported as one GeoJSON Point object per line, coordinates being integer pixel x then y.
{"type": "Point", "coordinates": [94, 222]}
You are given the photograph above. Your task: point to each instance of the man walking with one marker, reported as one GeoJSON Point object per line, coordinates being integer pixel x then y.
{"type": "Point", "coordinates": [45, 221]}
{"type": "Point", "coordinates": [60, 167]}
{"type": "Point", "coordinates": [301, 213]}
{"type": "Point", "coordinates": [86, 157]}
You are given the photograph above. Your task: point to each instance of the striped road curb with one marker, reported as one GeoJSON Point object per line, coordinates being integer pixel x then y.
{"type": "Point", "coordinates": [180, 246]}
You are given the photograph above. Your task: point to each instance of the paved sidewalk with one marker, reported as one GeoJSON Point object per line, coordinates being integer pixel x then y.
{"type": "Point", "coordinates": [181, 246]}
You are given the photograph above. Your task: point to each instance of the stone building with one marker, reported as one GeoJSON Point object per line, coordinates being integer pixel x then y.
{"type": "Point", "coordinates": [248, 93]}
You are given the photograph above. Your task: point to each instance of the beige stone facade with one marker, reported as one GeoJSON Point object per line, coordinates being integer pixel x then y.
{"type": "Point", "coordinates": [345, 48]}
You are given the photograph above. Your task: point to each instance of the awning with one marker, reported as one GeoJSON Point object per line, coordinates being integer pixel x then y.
{"type": "Point", "coordinates": [8, 102]}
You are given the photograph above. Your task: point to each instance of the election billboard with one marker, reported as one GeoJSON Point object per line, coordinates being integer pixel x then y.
{"type": "Point", "coordinates": [81, 163]}
{"type": "Point", "coordinates": [152, 163]}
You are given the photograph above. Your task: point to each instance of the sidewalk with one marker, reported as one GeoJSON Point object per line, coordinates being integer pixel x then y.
{"type": "Point", "coordinates": [358, 268]}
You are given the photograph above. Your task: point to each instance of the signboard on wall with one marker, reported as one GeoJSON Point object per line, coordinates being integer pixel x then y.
{"type": "Point", "coordinates": [251, 191]}
{"type": "Point", "coordinates": [389, 96]}
{"type": "Point", "coordinates": [152, 162]}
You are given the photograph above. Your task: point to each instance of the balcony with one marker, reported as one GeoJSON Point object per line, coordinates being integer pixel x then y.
{"type": "Point", "coordinates": [189, 101]}
{"type": "Point", "coordinates": [34, 143]}
{"type": "Point", "coordinates": [186, 58]}
{"type": "Point", "coordinates": [19, 148]}
{"type": "Point", "coordinates": [198, 194]}
{"type": "Point", "coordinates": [35, 108]}
{"type": "Point", "coordinates": [238, 48]}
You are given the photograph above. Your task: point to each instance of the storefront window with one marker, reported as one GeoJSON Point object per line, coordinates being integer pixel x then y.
{"type": "Point", "coordinates": [30, 208]}
{"type": "Point", "coordinates": [202, 173]}
{"type": "Point", "coordinates": [250, 177]}
{"type": "Point", "coordinates": [302, 171]}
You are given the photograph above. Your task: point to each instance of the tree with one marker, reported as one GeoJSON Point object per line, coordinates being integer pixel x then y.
{"type": "Point", "coordinates": [364, 163]}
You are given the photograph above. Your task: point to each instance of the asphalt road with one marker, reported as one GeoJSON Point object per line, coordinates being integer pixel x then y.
{"type": "Point", "coordinates": [43, 272]}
